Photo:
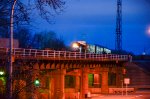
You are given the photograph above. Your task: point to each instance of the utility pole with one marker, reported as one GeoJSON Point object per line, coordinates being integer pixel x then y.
{"type": "Point", "coordinates": [118, 45]}
{"type": "Point", "coordinates": [10, 67]}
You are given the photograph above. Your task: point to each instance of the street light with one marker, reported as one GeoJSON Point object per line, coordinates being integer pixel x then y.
{"type": "Point", "coordinates": [37, 82]}
{"type": "Point", "coordinates": [10, 67]}
{"type": "Point", "coordinates": [1, 73]}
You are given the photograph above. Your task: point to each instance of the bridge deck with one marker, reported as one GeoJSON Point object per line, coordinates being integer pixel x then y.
{"type": "Point", "coordinates": [20, 53]}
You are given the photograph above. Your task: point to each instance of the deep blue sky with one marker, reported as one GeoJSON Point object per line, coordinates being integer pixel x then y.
{"type": "Point", "coordinates": [95, 22]}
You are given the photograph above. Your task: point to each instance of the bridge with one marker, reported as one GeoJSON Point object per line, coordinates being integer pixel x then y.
{"type": "Point", "coordinates": [52, 54]}
{"type": "Point", "coordinates": [64, 74]}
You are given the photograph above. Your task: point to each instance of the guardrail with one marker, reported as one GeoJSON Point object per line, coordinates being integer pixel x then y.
{"type": "Point", "coordinates": [64, 54]}
{"type": "Point", "coordinates": [121, 90]}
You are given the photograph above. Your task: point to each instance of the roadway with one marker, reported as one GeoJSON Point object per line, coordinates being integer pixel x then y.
{"type": "Point", "coordinates": [145, 96]}
{"type": "Point", "coordinates": [137, 95]}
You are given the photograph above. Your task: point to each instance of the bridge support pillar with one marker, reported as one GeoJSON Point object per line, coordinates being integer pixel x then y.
{"type": "Point", "coordinates": [104, 86]}
{"type": "Point", "coordinates": [77, 87]}
{"type": "Point", "coordinates": [59, 84]}
{"type": "Point", "coordinates": [18, 85]}
{"type": "Point", "coordinates": [119, 80]}
{"type": "Point", "coordinates": [84, 89]}
{"type": "Point", "coordinates": [33, 89]}
{"type": "Point", "coordinates": [119, 77]}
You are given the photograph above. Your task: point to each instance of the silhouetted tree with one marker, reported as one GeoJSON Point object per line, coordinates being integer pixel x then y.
{"type": "Point", "coordinates": [44, 40]}
{"type": "Point", "coordinates": [23, 9]}
{"type": "Point", "coordinates": [24, 37]}
{"type": "Point", "coordinates": [37, 41]}
{"type": "Point", "coordinates": [21, 16]}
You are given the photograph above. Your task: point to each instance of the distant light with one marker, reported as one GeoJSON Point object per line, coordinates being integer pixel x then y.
{"type": "Point", "coordinates": [148, 31]}
{"type": "Point", "coordinates": [143, 53]}
{"type": "Point", "coordinates": [75, 45]}
{"type": "Point", "coordinates": [1, 72]}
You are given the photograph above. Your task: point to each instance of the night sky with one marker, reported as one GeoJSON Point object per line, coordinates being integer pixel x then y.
{"type": "Point", "coordinates": [95, 22]}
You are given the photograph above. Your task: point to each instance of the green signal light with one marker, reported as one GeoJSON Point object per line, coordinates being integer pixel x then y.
{"type": "Point", "coordinates": [37, 82]}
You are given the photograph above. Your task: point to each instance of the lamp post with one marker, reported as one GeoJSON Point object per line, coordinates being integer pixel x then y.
{"type": "Point", "coordinates": [10, 67]}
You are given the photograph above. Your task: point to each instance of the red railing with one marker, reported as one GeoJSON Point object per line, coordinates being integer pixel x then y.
{"type": "Point", "coordinates": [64, 54]}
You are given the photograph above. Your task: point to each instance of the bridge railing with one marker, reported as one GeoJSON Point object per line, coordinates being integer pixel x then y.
{"type": "Point", "coordinates": [64, 54]}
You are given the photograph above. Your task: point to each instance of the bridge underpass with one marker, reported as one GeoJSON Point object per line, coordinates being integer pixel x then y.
{"type": "Point", "coordinates": [63, 74]}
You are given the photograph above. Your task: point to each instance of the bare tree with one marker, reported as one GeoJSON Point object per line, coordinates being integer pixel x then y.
{"type": "Point", "coordinates": [24, 37]}
{"type": "Point", "coordinates": [37, 41]}
{"type": "Point", "coordinates": [23, 10]}
{"type": "Point", "coordinates": [44, 11]}
{"type": "Point", "coordinates": [50, 40]}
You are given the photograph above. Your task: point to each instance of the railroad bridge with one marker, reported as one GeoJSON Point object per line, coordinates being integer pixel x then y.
{"type": "Point", "coordinates": [63, 74]}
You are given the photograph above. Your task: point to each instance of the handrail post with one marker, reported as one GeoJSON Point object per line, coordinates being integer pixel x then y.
{"type": "Point", "coordinates": [96, 56]}
{"type": "Point", "coordinates": [35, 53]}
{"type": "Point", "coordinates": [90, 55]}
{"type": "Point", "coordinates": [76, 55]}
{"type": "Point", "coordinates": [54, 54]}
{"type": "Point", "coordinates": [130, 58]}
{"type": "Point", "coordinates": [43, 53]}
{"type": "Point", "coordinates": [23, 52]}
{"type": "Point", "coordinates": [80, 55]}
{"type": "Point", "coordinates": [65, 54]}
{"type": "Point", "coordinates": [47, 53]}
{"type": "Point", "coordinates": [30, 52]}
